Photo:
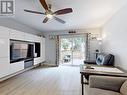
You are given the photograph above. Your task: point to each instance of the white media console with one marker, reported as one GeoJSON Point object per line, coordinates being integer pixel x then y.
{"type": "Point", "coordinates": [5, 35]}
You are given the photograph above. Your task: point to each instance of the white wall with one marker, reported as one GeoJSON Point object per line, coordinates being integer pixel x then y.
{"type": "Point", "coordinates": [11, 23]}
{"type": "Point", "coordinates": [50, 50]}
{"type": "Point", "coordinates": [114, 35]}
{"type": "Point", "coordinates": [51, 47]}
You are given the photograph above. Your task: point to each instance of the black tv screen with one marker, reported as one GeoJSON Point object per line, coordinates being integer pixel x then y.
{"type": "Point", "coordinates": [20, 50]}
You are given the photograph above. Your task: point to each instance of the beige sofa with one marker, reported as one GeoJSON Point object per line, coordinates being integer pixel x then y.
{"type": "Point", "coordinates": [105, 85]}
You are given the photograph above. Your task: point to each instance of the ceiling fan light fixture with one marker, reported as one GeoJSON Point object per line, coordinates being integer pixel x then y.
{"type": "Point", "coordinates": [49, 13]}
{"type": "Point", "coordinates": [49, 16]}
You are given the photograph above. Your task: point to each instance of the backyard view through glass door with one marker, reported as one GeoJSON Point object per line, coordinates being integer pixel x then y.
{"type": "Point", "coordinates": [72, 50]}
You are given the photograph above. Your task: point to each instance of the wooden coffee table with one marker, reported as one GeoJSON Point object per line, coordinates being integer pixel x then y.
{"type": "Point", "coordinates": [99, 70]}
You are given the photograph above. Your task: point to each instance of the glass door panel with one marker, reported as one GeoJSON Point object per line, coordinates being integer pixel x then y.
{"type": "Point", "coordinates": [72, 50]}
{"type": "Point", "coordinates": [78, 50]}
{"type": "Point", "coordinates": [66, 51]}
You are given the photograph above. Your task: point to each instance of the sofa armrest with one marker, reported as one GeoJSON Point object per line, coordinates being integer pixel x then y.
{"type": "Point", "coordinates": [107, 82]}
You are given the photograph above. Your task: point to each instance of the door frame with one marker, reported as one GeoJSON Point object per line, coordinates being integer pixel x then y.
{"type": "Point", "coordinates": [70, 36]}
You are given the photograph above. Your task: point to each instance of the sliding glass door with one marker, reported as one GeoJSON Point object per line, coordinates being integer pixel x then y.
{"type": "Point", "coordinates": [72, 50]}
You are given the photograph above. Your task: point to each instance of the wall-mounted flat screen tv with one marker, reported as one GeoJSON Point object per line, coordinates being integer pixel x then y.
{"type": "Point", "coordinates": [20, 50]}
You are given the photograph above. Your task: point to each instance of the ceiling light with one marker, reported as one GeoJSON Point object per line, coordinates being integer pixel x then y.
{"type": "Point", "coordinates": [99, 39]}
{"type": "Point", "coordinates": [49, 16]}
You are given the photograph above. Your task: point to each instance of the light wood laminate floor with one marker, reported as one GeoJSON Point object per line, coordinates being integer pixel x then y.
{"type": "Point", "coordinates": [63, 80]}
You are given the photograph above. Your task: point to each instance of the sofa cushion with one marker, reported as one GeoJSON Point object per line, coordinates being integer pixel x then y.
{"type": "Point", "coordinates": [96, 91]}
{"type": "Point", "coordinates": [100, 59]}
{"type": "Point", "coordinates": [107, 83]}
{"type": "Point", "coordinates": [105, 59]}
{"type": "Point", "coordinates": [123, 89]}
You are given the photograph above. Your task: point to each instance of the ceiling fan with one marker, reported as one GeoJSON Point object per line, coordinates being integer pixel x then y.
{"type": "Point", "coordinates": [50, 14]}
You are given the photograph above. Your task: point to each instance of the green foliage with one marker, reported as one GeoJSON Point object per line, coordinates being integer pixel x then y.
{"type": "Point", "coordinates": [67, 43]}
{"type": "Point", "coordinates": [77, 43]}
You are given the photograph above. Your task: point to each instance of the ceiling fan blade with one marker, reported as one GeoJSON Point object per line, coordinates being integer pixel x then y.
{"type": "Point", "coordinates": [43, 3]}
{"type": "Point", "coordinates": [30, 11]}
{"type": "Point", "coordinates": [63, 11]}
{"type": "Point", "coordinates": [45, 20]}
{"type": "Point", "coordinates": [59, 20]}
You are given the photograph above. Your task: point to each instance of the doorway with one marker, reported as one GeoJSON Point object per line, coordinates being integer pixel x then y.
{"type": "Point", "coordinates": [72, 50]}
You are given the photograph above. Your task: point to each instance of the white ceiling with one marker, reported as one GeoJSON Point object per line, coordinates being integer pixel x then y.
{"type": "Point", "coordinates": [86, 13]}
